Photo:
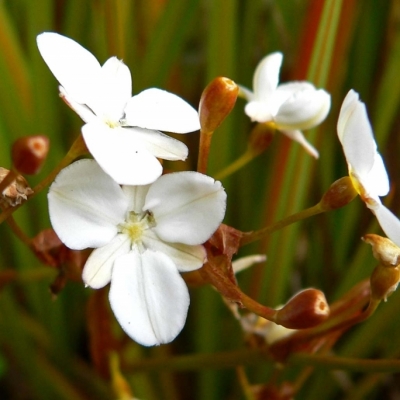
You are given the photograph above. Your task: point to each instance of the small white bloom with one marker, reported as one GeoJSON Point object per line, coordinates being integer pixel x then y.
{"type": "Point", "coordinates": [289, 107]}
{"type": "Point", "coordinates": [366, 168]}
{"type": "Point", "coordinates": [143, 237]}
{"type": "Point", "coordinates": [120, 131]}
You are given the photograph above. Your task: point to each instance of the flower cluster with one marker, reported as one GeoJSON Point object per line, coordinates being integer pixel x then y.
{"type": "Point", "coordinates": [146, 228]}
{"type": "Point", "coordinates": [150, 229]}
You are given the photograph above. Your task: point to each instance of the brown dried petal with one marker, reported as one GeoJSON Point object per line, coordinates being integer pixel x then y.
{"type": "Point", "coordinates": [16, 193]}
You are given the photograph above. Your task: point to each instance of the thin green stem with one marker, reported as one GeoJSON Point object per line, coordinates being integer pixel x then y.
{"type": "Point", "coordinates": [250, 237]}
{"type": "Point", "coordinates": [345, 363]}
{"type": "Point", "coordinates": [244, 383]}
{"type": "Point", "coordinates": [239, 163]}
{"type": "Point", "coordinates": [193, 362]}
{"type": "Point", "coordinates": [18, 231]}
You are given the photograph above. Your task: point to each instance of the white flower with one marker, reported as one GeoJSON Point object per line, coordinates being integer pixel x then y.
{"type": "Point", "coordinates": [366, 168]}
{"type": "Point", "coordinates": [121, 131]}
{"type": "Point", "coordinates": [289, 107]}
{"type": "Point", "coordinates": [143, 236]}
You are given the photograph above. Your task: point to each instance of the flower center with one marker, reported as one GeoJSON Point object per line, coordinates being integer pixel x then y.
{"type": "Point", "coordinates": [136, 224]}
{"type": "Point", "coordinates": [112, 124]}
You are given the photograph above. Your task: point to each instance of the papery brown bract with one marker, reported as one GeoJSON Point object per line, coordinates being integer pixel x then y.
{"type": "Point", "coordinates": [49, 249]}
{"type": "Point", "coordinates": [383, 249]}
{"type": "Point", "coordinates": [384, 281]}
{"type": "Point", "coordinates": [16, 192]}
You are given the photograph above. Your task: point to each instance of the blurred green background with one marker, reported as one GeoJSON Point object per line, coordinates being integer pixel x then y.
{"type": "Point", "coordinates": [59, 349]}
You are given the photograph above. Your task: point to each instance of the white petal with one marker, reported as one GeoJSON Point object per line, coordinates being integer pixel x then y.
{"type": "Point", "coordinates": [149, 297]}
{"type": "Point", "coordinates": [185, 257]}
{"type": "Point", "coordinates": [298, 136]}
{"type": "Point", "coordinates": [85, 205]}
{"type": "Point", "coordinates": [245, 93]}
{"type": "Point", "coordinates": [356, 136]}
{"type": "Point", "coordinates": [286, 91]}
{"type": "Point", "coordinates": [304, 109]}
{"type": "Point", "coordinates": [160, 145]}
{"type": "Point", "coordinates": [347, 108]}
{"type": "Point", "coordinates": [98, 267]}
{"type": "Point", "coordinates": [74, 67]}
{"type": "Point", "coordinates": [81, 109]}
{"type": "Point", "coordinates": [160, 110]}
{"type": "Point", "coordinates": [136, 197]}
{"type": "Point", "coordinates": [389, 223]}
{"type": "Point", "coordinates": [113, 91]}
{"type": "Point", "coordinates": [187, 206]}
{"type": "Point", "coordinates": [121, 154]}
{"type": "Point", "coordinates": [266, 76]}
{"type": "Point", "coordinates": [378, 180]}
{"type": "Point", "coordinates": [258, 111]}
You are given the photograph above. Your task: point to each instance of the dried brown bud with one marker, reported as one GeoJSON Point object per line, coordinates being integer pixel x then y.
{"type": "Point", "coordinates": [29, 153]}
{"type": "Point", "coordinates": [16, 192]}
{"type": "Point", "coordinates": [383, 249]}
{"type": "Point", "coordinates": [339, 194]}
{"type": "Point", "coordinates": [384, 281]}
{"type": "Point", "coordinates": [216, 102]}
{"type": "Point", "coordinates": [260, 138]}
{"type": "Point", "coordinates": [305, 309]}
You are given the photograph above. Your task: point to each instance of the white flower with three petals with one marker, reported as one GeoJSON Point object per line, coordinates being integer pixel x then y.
{"type": "Point", "coordinates": [143, 237]}
{"type": "Point", "coordinates": [290, 107]}
{"type": "Point", "coordinates": [366, 167]}
{"type": "Point", "coordinates": [120, 131]}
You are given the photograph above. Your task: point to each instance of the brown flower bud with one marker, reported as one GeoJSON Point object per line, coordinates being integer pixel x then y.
{"type": "Point", "coordinates": [384, 281]}
{"type": "Point", "coordinates": [16, 192]}
{"type": "Point", "coordinates": [29, 153]}
{"type": "Point", "coordinates": [216, 102]}
{"type": "Point", "coordinates": [339, 194]}
{"type": "Point", "coordinates": [260, 138]}
{"type": "Point", "coordinates": [383, 249]}
{"type": "Point", "coordinates": [305, 309]}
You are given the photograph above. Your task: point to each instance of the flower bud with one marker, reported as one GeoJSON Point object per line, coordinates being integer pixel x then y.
{"type": "Point", "coordinates": [383, 249]}
{"type": "Point", "coordinates": [216, 102]}
{"type": "Point", "coordinates": [16, 192]}
{"type": "Point", "coordinates": [260, 138]}
{"type": "Point", "coordinates": [339, 194]}
{"type": "Point", "coordinates": [305, 309]}
{"type": "Point", "coordinates": [29, 153]}
{"type": "Point", "coordinates": [384, 281]}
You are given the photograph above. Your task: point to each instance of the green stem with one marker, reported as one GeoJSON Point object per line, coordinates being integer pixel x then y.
{"type": "Point", "coordinates": [18, 231]}
{"type": "Point", "coordinates": [244, 383]}
{"type": "Point", "coordinates": [194, 362]}
{"type": "Point", "coordinates": [239, 163]}
{"type": "Point", "coordinates": [345, 363]}
{"type": "Point", "coordinates": [250, 237]}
